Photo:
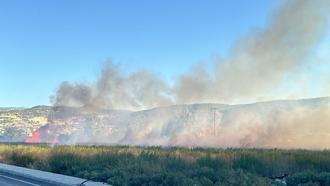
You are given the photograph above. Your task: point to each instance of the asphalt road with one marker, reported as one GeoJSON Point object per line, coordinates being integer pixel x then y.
{"type": "Point", "coordinates": [12, 180]}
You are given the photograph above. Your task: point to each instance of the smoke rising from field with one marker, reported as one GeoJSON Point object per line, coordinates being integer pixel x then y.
{"type": "Point", "coordinates": [116, 90]}
{"type": "Point", "coordinates": [280, 124]}
{"type": "Point", "coordinates": [261, 60]}
{"type": "Point", "coordinates": [256, 65]}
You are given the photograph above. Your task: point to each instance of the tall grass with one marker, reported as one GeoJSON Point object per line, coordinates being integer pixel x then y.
{"type": "Point", "coordinates": [125, 165]}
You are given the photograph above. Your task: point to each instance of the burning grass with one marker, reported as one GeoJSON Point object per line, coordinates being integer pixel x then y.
{"type": "Point", "coordinates": [124, 165]}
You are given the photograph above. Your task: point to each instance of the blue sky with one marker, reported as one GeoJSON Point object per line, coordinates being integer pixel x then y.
{"type": "Point", "coordinates": [43, 43]}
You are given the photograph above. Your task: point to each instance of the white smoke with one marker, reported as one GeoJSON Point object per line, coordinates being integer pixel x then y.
{"type": "Point", "coordinates": [280, 124]}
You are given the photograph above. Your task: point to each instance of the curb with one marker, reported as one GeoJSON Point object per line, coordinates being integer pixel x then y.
{"type": "Point", "coordinates": [48, 177]}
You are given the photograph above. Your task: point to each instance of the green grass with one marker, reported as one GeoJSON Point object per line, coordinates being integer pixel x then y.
{"type": "Point", "coordinates": [124, 165]}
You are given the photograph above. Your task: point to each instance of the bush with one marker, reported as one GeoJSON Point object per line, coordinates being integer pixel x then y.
{"type": "Point", "coordinates": [309, 178]}
{"type": "Point", "coordinates": [21, 159]}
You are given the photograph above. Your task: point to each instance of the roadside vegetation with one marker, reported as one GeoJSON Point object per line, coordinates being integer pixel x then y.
{"type": "Point", "coordinates": [123, 165]}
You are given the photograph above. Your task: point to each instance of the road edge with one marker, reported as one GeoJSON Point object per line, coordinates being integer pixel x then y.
{"type": "Point", "coordinates": [48, 177]}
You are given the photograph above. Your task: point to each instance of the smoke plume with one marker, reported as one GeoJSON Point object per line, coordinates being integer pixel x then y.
{"type": "Point", "coordinates": [115, 90]}
{"type": "Point", "coordinates": [257, 65]}
{"type": "Point", "coordinates": [261, 60]}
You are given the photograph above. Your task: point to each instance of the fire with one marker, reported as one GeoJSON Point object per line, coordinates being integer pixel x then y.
{"type": "Point", "coordinates": [44, 134]}
{"type": "Point", "coordinates": [35, 138]}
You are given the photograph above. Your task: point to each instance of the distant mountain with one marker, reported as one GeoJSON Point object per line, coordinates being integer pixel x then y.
{"type": "Point", "coordinates": [3, 109]}
{"type": "Point", "coordinates": [284, 124]}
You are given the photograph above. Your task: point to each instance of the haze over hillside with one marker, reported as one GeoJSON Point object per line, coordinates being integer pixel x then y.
{"type": "Point", "coordinates": [281, 124]}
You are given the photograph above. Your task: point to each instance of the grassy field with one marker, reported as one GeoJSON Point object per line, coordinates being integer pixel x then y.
{"type": "Point", "coordinates": [123, 165]}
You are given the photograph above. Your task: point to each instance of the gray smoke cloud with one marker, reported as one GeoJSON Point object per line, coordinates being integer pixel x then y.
{"type": "Point", "coordinates": [261, 61]}
{"type": "Point", "coordinates": [115, 89]}
{"type": "Point", "coordinates": [257, 64]}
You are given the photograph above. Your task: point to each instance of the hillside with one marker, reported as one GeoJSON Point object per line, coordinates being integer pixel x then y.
{"type": "Point", "coordinates": [283, 124]}
{"type": "Point", "coordinates": [19, 123]}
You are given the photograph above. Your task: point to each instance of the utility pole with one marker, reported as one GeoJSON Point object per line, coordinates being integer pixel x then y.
{"type": "Point", "coordinates": [214, 127]}
{"type": "Point", "coordinates": [50, 116]}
